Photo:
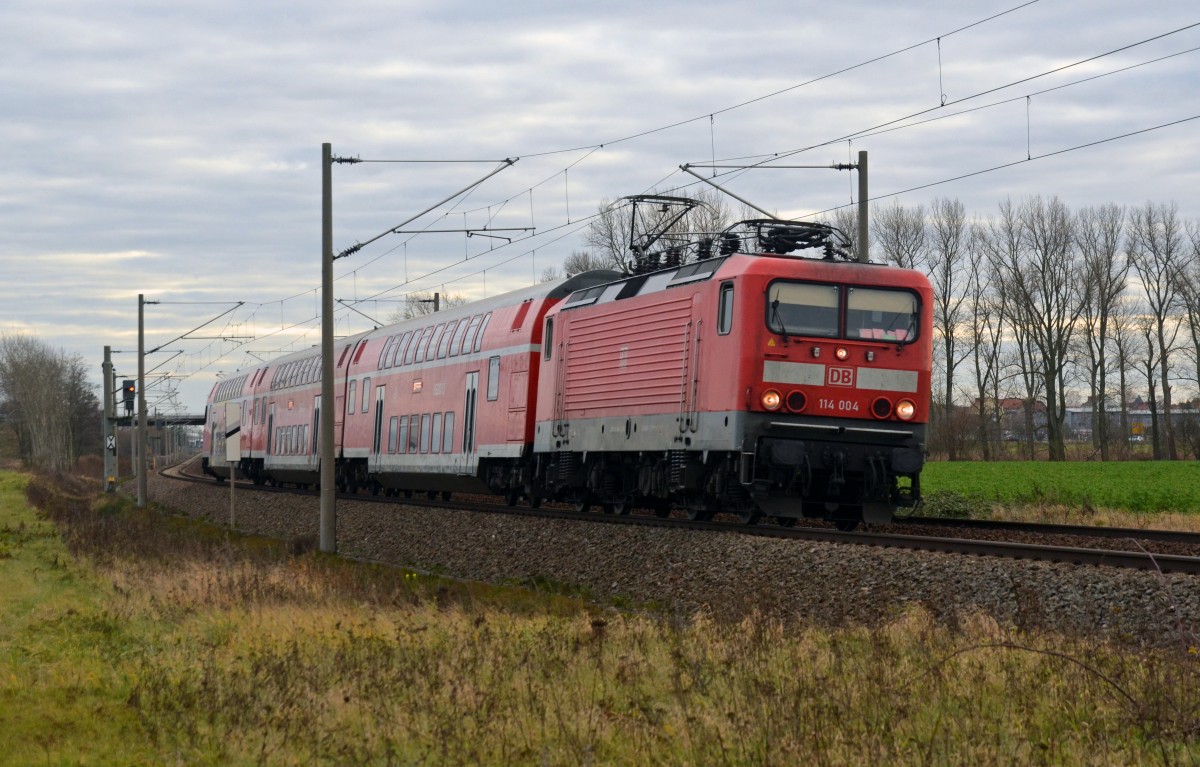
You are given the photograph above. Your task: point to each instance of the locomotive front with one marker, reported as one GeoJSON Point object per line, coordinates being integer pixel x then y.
{"type": "Point", "coordinates": [835, 358]}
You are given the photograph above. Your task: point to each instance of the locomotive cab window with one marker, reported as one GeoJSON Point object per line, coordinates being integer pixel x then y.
{"type": "Point", "coordinates": [803, 309]}
{"type": "Point", "coordinates": [724, 310]}
{"type": "Point", "coordinates": [889, 315]}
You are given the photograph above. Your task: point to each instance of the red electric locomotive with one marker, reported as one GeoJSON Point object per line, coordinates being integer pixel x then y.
{"type": "Point", "coordinates": [750, 381]}
{"type": "Point", "coordinates": [754, 382]}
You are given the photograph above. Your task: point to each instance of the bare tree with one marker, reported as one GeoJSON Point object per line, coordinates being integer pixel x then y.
{"type": "Point", "coordinates": [1124, 337]}
{"type": "Point", "coordinates": [1144, 325]}
{"type": "Point", "coordinates": [1106, 271]}
{"type": "Point", "coordinates": [1156, 248]}
{"type": "Point", "coordinates": [948, 235]}
{"type": "Point", "coordinates": [47, 399]}
{"type": "Point", "coordinates": [1041, 282]}
{"type": "Point", "coordinates": [845, 220]}
{"type": "Point", "coordinates": [1000, 243]}
{"type": "Point", "coordinates": [421, 304]}
{"type": "Point", "coordinates": [900, 234]}
{"type": "Point", "coordinates": [581, 261]}
{"type": "Point", "coordinates": [1189, 288]}
{"type": "Point", "coordinates": [985, 304]}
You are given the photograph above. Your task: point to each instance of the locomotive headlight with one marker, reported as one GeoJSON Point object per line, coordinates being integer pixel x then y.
{"type": "Point", "coordinates": [905, 410]}
{"type": "Point", "coordinates": [771, 399]}
{"type": "Point", "coordinates": [841, 353]}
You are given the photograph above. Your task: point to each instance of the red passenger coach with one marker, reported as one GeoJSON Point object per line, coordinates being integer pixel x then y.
{"type": "Point", "coordinates": [439, 403]}
{"type": "Point", "coordinates": [754, 383]}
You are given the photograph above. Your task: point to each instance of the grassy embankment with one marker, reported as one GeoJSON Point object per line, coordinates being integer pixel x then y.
{"type": "Point", "coordinates": [128, 637]}
{"type": "Point", "coordinates": [1117, 493]}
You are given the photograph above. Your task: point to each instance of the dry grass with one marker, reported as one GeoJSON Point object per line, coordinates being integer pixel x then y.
{"type": "Point", "coordinates": [225, 650]}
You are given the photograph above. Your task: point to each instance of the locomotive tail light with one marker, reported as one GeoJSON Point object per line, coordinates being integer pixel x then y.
{"type": "Point", "coordinates": [882, 408]}
{"type": "Point", "coordinates": [905, 410]}
{"type": "Point", "coordinates": [796, 401]}
{"type": "Point", "coordinates": [841, 353]}
{"type": "Point", "coordinates": [771, 399]}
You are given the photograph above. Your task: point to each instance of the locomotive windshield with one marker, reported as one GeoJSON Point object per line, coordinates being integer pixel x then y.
{"type": "Point", "coordinates": [809, 309]}
{"type": "Point", "coordinates": [800, 309]}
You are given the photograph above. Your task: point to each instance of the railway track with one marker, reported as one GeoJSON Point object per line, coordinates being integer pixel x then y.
{"type": "Point", "coordinates": [1155, 550]}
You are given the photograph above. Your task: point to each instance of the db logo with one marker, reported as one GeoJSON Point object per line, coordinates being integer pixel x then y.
{"type": "Point", "coordinates": [839, 376]}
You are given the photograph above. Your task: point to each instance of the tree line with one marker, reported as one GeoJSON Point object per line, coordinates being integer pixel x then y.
{"type": "Point", "coordinates": [1038, 300]}
{"type": "Point", "coordinates": [47, 403]}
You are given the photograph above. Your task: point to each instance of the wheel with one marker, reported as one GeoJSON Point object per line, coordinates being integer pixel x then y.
{"type": "Point", "coordinates": [622, 506]}
{"type": "Point", "coordinates": [785, 521]}
{"type": "Point", "coordinates": [845, 525]}
{"type": "Point", "coordinates": [750, 516]}
{"type": "Point", "coordinates": [699, 515]}
{"type": "Point", "coordinates": [584, 502]}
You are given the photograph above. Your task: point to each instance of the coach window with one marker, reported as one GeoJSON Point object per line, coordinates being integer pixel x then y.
{"type": "Point", "coordinates": [548, 341]}
{"type": "Point", "coordinates": [366, 402]}
{"type": "Point", "coordinates": [436, 434]}
{"type": "Point", "coordinates": [425, 434]}
{"type": "Point", "coordinates": [402, 439]}
{"type": "Point", "coordinates": [889, 315]}
{"type": "Point", "coordinates": [493, 391]}
{"type": "Point", "coordinates": [448, 439]}
{"type": "Point", "coordinates": [803, 309]}
{"type": "Point", "coordinates": [482, 327]}
{"type": "Point", "coordinates": [387, 346]}
{"type": "Point", "coordinates": [411, 354]}
{"type": "Point", "coordinates": [444, 344]}
{"type": "Point", "coordinates": [414, 432]}
{"type": "Point", "coordinates": [351, 399]}
{"type": "Point", "coordinates": [423, 351]}
{"type": "Point", "coordinates": [393, 433]}
{"type": "Point", "coordinates": [397, 355]}
{"type": "Point", "coordinates": [456, 341]}
{"type": "Point", "coordinates": [472, 329]}
{"type": "Point", "coordinates": [724, 310]}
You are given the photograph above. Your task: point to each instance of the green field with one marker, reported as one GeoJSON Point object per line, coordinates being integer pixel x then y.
{"type": "Point", "coordinates": [133, 638]}
{"type": "Point", "coordinates": [1134, 486]}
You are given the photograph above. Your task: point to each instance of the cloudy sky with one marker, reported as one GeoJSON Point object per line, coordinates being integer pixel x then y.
{"type": "Point", "coordinates": [173, 149]}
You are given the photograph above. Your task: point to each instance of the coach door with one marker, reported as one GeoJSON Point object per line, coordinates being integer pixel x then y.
{"type": "Point", "coordinates": [377, 439]}
{"type": "Point", "coordinates": [270, 427]}
{"type": "Point", "coordinates": [469, 409]}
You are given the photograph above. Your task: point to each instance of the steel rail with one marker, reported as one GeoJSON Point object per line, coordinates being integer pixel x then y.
{"type": "Point", "coordinates": [1089, 531]}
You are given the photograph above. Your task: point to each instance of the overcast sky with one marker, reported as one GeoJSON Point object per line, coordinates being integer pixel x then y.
{"type": "Point", "coordinates": [173, 149]}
